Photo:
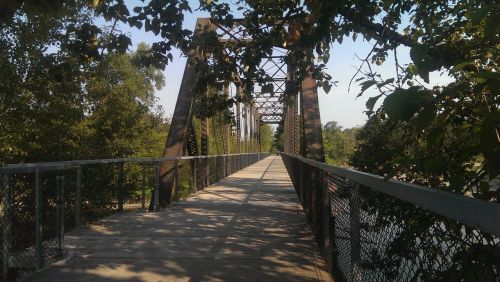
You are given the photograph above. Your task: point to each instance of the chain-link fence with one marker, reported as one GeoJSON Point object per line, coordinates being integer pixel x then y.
{"type": "Point", "coordinates": [371, 229]}
{"type": "Point", "coordinates": [40, 202]}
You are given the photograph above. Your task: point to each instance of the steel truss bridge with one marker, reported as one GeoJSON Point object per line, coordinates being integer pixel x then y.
{"type": "Point", "coordinates": [232, 213]}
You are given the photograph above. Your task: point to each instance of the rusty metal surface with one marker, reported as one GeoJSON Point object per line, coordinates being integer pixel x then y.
{"type": "Point", "coordinates": [311, 121]}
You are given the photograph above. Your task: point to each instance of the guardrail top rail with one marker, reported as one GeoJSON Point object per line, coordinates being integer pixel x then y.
{"type": "Point", "coordinates": [372, 229]}
{"type": "Point", "coordinates": [63, 165]}
{"type": "Point", "coordinates": [41, 201]}
{"type": "Point", "coordinates": [477, 213]}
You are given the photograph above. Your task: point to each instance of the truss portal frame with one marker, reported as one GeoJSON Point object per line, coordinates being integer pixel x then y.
{"type": "Point", "coordinates": [302, 129]}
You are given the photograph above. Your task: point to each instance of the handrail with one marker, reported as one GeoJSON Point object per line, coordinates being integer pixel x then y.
{"type": "Point", "coordinates": [63, 165]}
{"type": "Point", "coordinates": [477, 213]}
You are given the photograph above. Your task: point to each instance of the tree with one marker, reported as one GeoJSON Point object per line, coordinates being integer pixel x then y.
{"type": "Point", "coordinates": [339, 143]}
{"type": "Point", "coordinates": [278, 141]}
{"type": "Point", "coordinates": [266, 137]}
{"type": "Point", "coordinates": [457, 37]}
{"type": "Point", "coordinates": [40, 95]}
{"type": "Point", "coordinates": [120, 98]}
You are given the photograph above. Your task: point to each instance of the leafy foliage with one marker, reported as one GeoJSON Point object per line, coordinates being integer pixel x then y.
{"type": "Point", "coordinates": [339, 143]}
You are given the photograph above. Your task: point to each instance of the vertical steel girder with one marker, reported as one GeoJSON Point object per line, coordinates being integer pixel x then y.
{"type": "Point", "coordinates": [311, 120]}
{"type": "Point", "coordinates": [204, 166]}
{"type": "Point", "coordinates": [309, 124]}
{"type": "Point", "coordinates": [244, 120]}
{"type": "Point", "coordinates": [291, 136]}
{"type": "Point", "coordinates": [238, 128]}
{"type": "Point", "coordinates": [177, 135]}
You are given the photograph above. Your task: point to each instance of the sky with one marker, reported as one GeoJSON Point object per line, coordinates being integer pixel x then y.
{"type": "Point", "coordinates": [339, 105]}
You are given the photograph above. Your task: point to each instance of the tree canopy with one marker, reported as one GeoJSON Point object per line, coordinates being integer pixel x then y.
{"type": "Point", "coordinates": [459, 38]}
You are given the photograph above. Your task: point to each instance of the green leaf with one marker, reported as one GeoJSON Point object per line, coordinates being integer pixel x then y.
{"type": "Point", "coordinates": [268, 88]}
{"type": "Point", "coordinates": [425, 117]}
{"type": "Point", "coordinates": [478, 15]}
{"type": "Point", "coordinates": [488, 75]}
{"type": "Point", "coordinates": [370, 103]}
{"type": "Point", "coordinates": [488, 133]}
{"type": "Point", "coordinates": [434, 165]}
{"type": "Point", "coordinates": [365, 85]}
{"type": "Point", "coordinates": [435, 137]}
{"type": "Point", "coordinates": [388, 81]}
{"type": "Point", "coordinates": [402, 104]}
{"type": "Point", "coordinates": [327, 87]}
{"type": "Point", "coordinates": [490, 146]}
{"type": "Point", "coordinates": [412, 69]}
{"type": "Point", "coordinates": [418, 53]}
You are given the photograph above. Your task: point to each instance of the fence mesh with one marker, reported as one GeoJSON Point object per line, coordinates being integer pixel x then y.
{"type": "Point", "coordinates": [366, 235]}
{"type": "Point", "coordinates": [83, 194]}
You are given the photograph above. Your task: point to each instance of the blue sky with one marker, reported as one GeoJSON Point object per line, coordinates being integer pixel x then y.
{"type": "Point", "coordinates": [339, 105]}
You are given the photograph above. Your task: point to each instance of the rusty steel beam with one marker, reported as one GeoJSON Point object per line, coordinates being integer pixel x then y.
{"type": "Point", "coordinates": [311, 120]}
{"type": "Point", "coordinates": [177, 135]}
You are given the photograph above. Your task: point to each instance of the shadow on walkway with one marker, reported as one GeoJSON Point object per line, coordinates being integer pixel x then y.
{"type": "Point", "coordinates": [248, 227]}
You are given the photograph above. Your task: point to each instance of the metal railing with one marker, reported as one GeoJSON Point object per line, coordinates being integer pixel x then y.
{"type": "Point", "coordinates": [371, 229]}
{"type": "Point", "coordinates": [40, 201]}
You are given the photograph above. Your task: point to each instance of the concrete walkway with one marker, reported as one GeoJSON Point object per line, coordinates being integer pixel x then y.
{"type": "Point", "coordinates": [248, 227]}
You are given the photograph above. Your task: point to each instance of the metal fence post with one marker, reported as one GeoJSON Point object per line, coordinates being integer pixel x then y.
{"type": "Point", "coordinates": [120, 187]}
{"type": "Point", "coordinates": [217, 170]}
{"type": "Point", "coordinates": [194, 175]}
{"type": "Point", "coordinates": [156, 185]}
{"type": "Point", "coordinates": [60, 213]}
{"type": "Point", "coordinates": [78, 200]}
{"type": "Point", "coordinates": [177, 179]}
{"type": "Point", "coordinates": [38, 222]}
{"type": "Point", "coordinates": [6, 225]}
{"type": "Point", "coordinates": [224, 166]}
{"type": "Point", "coordinates": [333, 263]}
{"type": "Point", "coordinates": [208, 173]}
{"type": "Point", "coordinates": [143, 188]}
{"type": "Point", "coordinates": [354, 219]}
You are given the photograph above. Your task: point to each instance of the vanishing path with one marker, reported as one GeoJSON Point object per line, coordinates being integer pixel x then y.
{"type": "Point", "coordinates": [248, 227]}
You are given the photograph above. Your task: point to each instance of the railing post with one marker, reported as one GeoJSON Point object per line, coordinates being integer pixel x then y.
{"type": "Point", "coordinates": [216, 169]}
{"type": "Point", "coordinates": [226, 165]}
{"type": "Point", "coordinates": [333, 263]}
{"type": "Point", "coordinates": [143, 188]}
{"type": "Point", "coordinates": [78, 200]}
{"type": "Point", "coordinates": [354, 213]}
{"type": "Point", "coordinates": [177, 179]}
{"type": "Point", "coordinates": [156, 185]}
{"type": "Point", "coordinates": [60, 213]}
{"type": "Point", "coordinates": [120, 187]}
{"type": "Point", "coordinates": [193, 163]}
{"type": "Point", "coordinates": [208, 173]}
{"type": "Point", "coordinates": [6, 225]}
{"type": "Point", "coordinates": [38, 222]}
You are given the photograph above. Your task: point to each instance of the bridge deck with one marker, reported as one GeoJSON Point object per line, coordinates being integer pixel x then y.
{"type": "Point", "coordinates": [248, 227]}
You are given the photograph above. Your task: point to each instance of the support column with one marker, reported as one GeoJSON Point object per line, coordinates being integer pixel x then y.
{"type": "Point", "coordinates": [311, 120]}
{"type": "Point", "coordinates": [181, 119]}
{"type": "Point", "coordinates": [245, 128]}
{"type": "Point", "coordinates": [312, 141]}
{"type": "Point", "coordinates": [204, 166]}
{"type": "Point", "coordinates": [291, 135]}
{"type": "Point", "coordinates": [252, 129]}
{"type": "Point", "coordinates": [238, 128]}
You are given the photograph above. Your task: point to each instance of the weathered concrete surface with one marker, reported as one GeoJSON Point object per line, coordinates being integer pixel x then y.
{"type": "Point", "coordinates": [248, 227]}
